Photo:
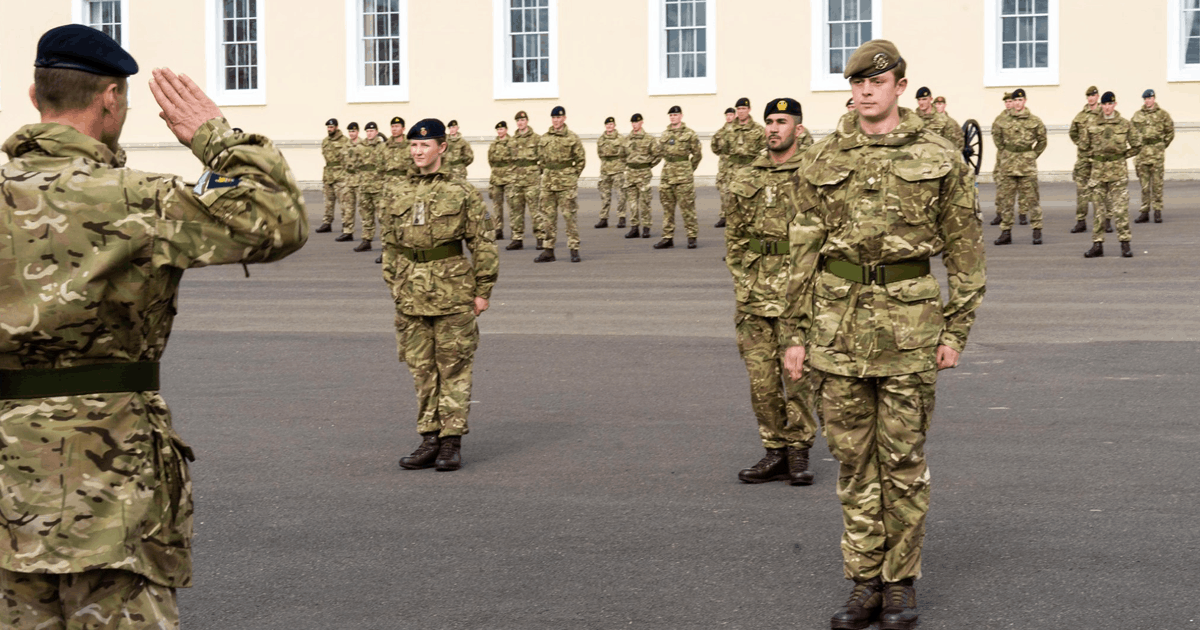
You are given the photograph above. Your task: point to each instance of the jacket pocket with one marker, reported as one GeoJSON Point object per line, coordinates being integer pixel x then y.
{"type": "Point", "coordinates": [917, 187]}
{"type": "Point", "coordinates": [446, 219]}
{"type": "Point", "coordinates": [916, 312]}
{"type": "Point", "coordinates": [831, 304]}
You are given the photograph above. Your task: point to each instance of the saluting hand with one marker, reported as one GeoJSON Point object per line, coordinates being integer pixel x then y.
{"type": "Point", "coordinates": [184, 105]}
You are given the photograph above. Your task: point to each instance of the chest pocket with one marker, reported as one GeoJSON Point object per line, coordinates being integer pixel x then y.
{"type": "Point", "coordinates": [526, 151]}
{"type": "Point", "coordinates": [916, 188]}
{"type": "Point", "coordinates": [831, 181]}
{"type": "Point", "coordinates": [744, 190]}
{"type": "Point", "coordinates": [447, 217]}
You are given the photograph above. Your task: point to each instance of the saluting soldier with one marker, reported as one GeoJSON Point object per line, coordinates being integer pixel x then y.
{"type": "Point", "coordinates": [1109, 140]}
{"type": "Point", "coordinates": [348, 194]}
{"type": "Point", "coordinates": [433, 219]}
{"type": "Point", "coordinates": [370, 161]}
{"type": "Point", "coordinates": [500, 158]}
{"type": "Point", "coordinates": [717, 144]}
{"type": "Point", "coordinates": [641, 157]}
{"type": "Point", "coordinates": [561, 158]}
{"type": "Point", "coordinates": [1157, 131]}
{"type": "Point", "coordinates": [459, 156]}
{"type": "Point", "coordinates": [1082, 174]}
{"type": "Point", "coordinates": [679, 148]}
{"type": "Point", "coordinates": [524, 188]}
{"type": "Point", "coordinates": [611, 149]}
{"type": "Point", "coordinates": [1020, 140]}
{"type": "Point", "coordinates": [334, 171]}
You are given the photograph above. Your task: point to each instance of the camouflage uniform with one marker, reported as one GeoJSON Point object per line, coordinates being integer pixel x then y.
{"type": "Point", "coordinates": [561, 158]}
{"type": "Point", "coordinates": [524, 191]}
{"type": "Point", "coordinates": [99, 481]}
{"type": "Point", "coordinates": [1108, 142]}
{"type": "Point", "coordinates": [1020, 139]}
{"type": "Point", "coordinates": [744, 144]}
{"type": "Point", "coordinates": [500, 158]}
{"type": "Point", "coordinates": [1082, 175]}
{"type": "Point", "coordinates": [638, 162]}
{"type": "Point", "coordinates": [719, 147]}
{"type": "Point", "coordinates": [436, 333]}
{"type": "Point", "coordinates": [347, 192]}
{"type": "Point", "coordinates": [370, 161]}
{"type": "Point", "coordinates": [680, 150]}
{"type": "Point", "coordinates": [334, 172]}
{"type": "Point", "coordinates": [756, 233]}
{"type": "Point", "coordinates": [943, 125]}
{"type": "Point", "coordinates": [805, 140]}
{"type": "Point", "coordinates": [458, 155]}
{"type": "Point", "coordinates": [1157, 131]}
{"type": "Point", "coordinates": [44, 601]}
{"type": "Point", "coordinates": [612, 150]}
{"type": "Point", "coordinates": [397, 161]}
{"type": "Point", "coordinates": [889, 201]}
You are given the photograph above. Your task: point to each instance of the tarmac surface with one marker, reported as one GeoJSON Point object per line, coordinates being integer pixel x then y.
{"type": "Point", "coordinates": [612, 414]}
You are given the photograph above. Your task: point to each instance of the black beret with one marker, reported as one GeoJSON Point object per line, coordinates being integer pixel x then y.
{"type": "Point", "coordinates": [872, 59]}
{"type": "Point", "coordinates": [730, 110]}
{"type": "Point", "coordinates": [636, 118]}
{"type": "Point", "coordinates": [923, 92]}
{"type": "Point", "coordinates": [521, 114]}
{"type": "Point", "coordinates": [1092, 90]}
{"type": "Point", "coordinates": [788, 106]}
{"type": "Point", "coordinates": [742, 102]}
{"type": "Point", "coordinates": [675, 109]}
{"type": "Point", "coordinates": [610, 119]}
{"type": "Point", "coordinates": [397, 121]}
{"type": "Point", "coordinates": [352, 127]}
{"type": "Point", "coordinates": [1019, 93]}
{"type": "Point", "coordinates": [78, 47]}
{"type": "Point", "coordinates": [428, 129]}
{"type": "Point", "coordinates": [1108, 97]}
{"type": "Point", "coordinates": [370, 126]}
{"type": "Point", "coordinates": [452, 123]}
{"type": "Point", "coordinates": [238, 130]}
{"type": "Point", "coordinates": [502, 125]}
{"type": "Point", "coordinates": [331, 121]}
{"type": "Point", "coordinates": [849, 101]}
{"type": "Point", "coordinates": [1147, 93]}
{"type": "Point", "coordinates": [558, 110]}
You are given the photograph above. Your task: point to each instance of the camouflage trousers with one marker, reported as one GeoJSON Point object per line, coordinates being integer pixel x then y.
{"type": "Point", "coordinates": [521, 198]}
{"type": "Point", "coordinates": [609, 185]}
{"type": "Point", "coordinates": [1150, 174]}
{"type": "Point", "coordinates": [496, 193]}
{"type": "Point", "coordinates": [637, 196]}
{"type": "Point", "coordinates": [723, 188]}
{"type": "Point", "coordinates": [331, 194]}
{"type": "Point", "coordinates": [347, 198]}
{"type": "Point", "coordinates": [440, 352]}
{"type": "Point", "coordinates": [685, 196]}
{"type": "Point", "coordinates": [368, 204]}
{"type": "Point", "coordinates": [1112, 203]}
{"type": "Point", "coordinates": [1084, 191]}
{"type": "Point", "coordinates": [1024, 189]}
{"type": "Point", "coordinates": [876, 428]}
{"type": "Point", "coordinates": [784, 408]}
{"type": "Point", "coordinates": [566, 202]}
{"type": "Point", "coordinates": [100, 599]}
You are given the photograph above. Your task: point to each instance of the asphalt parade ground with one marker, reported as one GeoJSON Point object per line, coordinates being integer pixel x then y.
{"type": "Point", "coordinates": [611, 415]}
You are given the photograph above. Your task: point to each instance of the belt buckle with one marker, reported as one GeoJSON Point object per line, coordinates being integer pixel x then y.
{"type": "Point", "coordinates": [875, 275]}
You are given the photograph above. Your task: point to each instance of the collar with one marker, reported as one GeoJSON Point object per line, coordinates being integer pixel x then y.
{"type": "Point", "coordinates": [850, 135]}
{"type": "Point", "coordinates": [58, 140]}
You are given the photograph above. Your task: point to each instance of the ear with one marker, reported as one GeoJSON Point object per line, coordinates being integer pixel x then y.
{"type": "Point", "coordinates": [110, 98]}
{"type": "Point", "coordinates": [901, 85]}
{"type": "Point", "coordinates": [33, 96]}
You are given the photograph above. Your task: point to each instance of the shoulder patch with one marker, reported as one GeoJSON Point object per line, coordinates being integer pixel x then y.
{"type": "Point", "coordinates": [209, 181]}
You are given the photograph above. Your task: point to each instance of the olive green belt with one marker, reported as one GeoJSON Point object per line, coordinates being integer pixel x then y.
{"type": "Point", "coordinates": [525, 163]}
{"type": "Point", "coordinates": [446, 250]}
{"type": "Point", "coordinates": [768, 248]}
{"type": "Point", "coordinates": [558, 166]}
{"type": "Point", "coordinates": [877, 274]}
{"type": "Point", "coordinates": [1155, 141]}
{"type": "Point", "coordinates": [333, 164]}
{"type": "Point", "coordinates": [1109, 158]}
{"type": "Point", "coordinates": [101, 378]}
{"type": "Point", "coordinates": [609, 158]}
{"type": "Point", "coordinates": [672, 158]}
{"type": "Point", "coordinates": [1019, 149]}
{"type": "Point", "coordinates": [636, 165]}
{"type": "Point", "coordinates": [366, 169]}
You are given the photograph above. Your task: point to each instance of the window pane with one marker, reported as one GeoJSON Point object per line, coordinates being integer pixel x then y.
{"type": "Point", "coordinates": [1009, 7]}
{"type": "Point", "coordinates": [1192, 55]}
{"type": "Point", "coordinates": [396, 52]}
{"type": "Point", "coordinates": [835, 35]}
{"type": "Point", "coordinates": [230, 79]}
{"type": "Point", "coordinates": [544, 20]}
{"type": "Point", "coordinates": [531, 70]}
{"type": "Point", "coordinates": [1025, 60]}
{"type": "Point", "coordinates": [864, 9]}
{"type": "Point", "coordinates": [1194, 18]}
{"type": "Point", "coordinates": [1025, 29]}
{"type": "Point", "coordinates": [230, 56]}
{"type": "Point", "coordinates": [544, 46]}
{"type": "Point", "coordinates": [1009, 55]}
{"type": "Point", "coordinates": [851, 11]}
{"type": "Point", "coordinates": [689, 40]}
{"type": "Point", "coordinates": [530, 20]}
{"type": "Point", "coordinates": [865, 31]}
{"type": "Point", "coordinates": [701, 65]}
{"type": "Point", "coordinates": [1009, 30]}
{"type": "Point", "coordinates": [252, 51]}
{"type": "Point", "coordinates": [672, 66]}
{"type": "Point", "coordinates": [672, 15]}
{"type": "Point", "coordinates": [1043, 28]}
{"type": "Point", "coordinates": [1040, 7]}
{"type": "Point", "coordinates": [1192, 4]}
{"type": "Point", "coordinates": [701, 14]}
{"type": "Point", "coordinates": [835, 62]}
{"type": "Point", "coordinates": [518, 71]}
{"type": "Point", "coordinates": [370, 54]}
{"type": "Point", "coordinates": [701, 42]}
{"type": "Point", "coordinates": [672, 41]}
{"type": "Point", "coordinates": [689, 66]}
{"type": "Point", "coordinates": [685, 15]}
{"type": "Point", "coordinates": [230, 11]}
{"type": "Point", "coordinates": [253, 30]}
{"type": "Point", "coordinates": [544, 77]}
{"type": "Point", "coordinates": [518, 46]}
{"type": "Point", "coordinates": [515, 25]}
{"type": "Point", "coordinates": [1024, 6]}
{"type": "Point", "coordinates": [116, 33]}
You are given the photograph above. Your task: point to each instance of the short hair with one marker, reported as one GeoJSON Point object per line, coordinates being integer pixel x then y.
{"type": "Point", "coordinates": [899, 70]}
{"type": "Point", "coordinates": [63, 90]}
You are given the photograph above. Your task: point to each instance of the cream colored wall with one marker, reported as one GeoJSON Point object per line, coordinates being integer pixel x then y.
{"type": "Point", "coordinates": [762, 49]}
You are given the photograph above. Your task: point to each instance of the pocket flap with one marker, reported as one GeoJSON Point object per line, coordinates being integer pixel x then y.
{"type": "Point", "coordinates": [831, 287]}
{"type": "Point", "coordinates": [828, 175]}
{"type": "Point", "coordinates": [920, 170]}
{"type": "Point", "coordinates": [916, 290]}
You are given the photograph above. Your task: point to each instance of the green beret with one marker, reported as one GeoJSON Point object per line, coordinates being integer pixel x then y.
{"type": "Point", "coordinates": [1092, 90]}
{"type": "Point", "coordinates": [1008, 96]}
{"type": "Point", "coordinates": [940, 99]}
{"type": "Point", "coordinates": [872, 59]}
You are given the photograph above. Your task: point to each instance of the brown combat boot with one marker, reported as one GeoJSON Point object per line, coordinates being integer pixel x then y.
{"type": "Point", "coordinates": [1144, 217]}
{"type": "Point", "coordinates": [515, 244]}
{"type": "Point", "coordinates": [449, 456]}
{"type": "Point", "coordinates": [1037, 236]}
{"type": "Point", "coordinates": [1080, 226]}
{"type": "Point", "coordinates": [632, 233]}
{"type": "Point", "coordinates": [772, 467]}
{"type": "Point", "coordinates": [602, 223]}
{"type": "Point", "coordinates": [1097, 251]}
{"type": "Point", "coordinates": [1158, 216]}
{"type": "Point", "coordinates": [862, 608]}
{"type": "Point", "coordinates": [798, 472]}
{"type": "Point", "coordinates": [1005, 238]}
{"type": "Point", "coordinates": [343, 237]}
{"type": "Point", "coordinates": [424, 455]}
{"type": "Point", "coordinates": [547, 255]}
{"type": "Point", "coordinates": [899, 606]}
{"type": "Point", "coordinates": [324, 227]}
{"type": "Point", "coordinates": [1126, 252]}
{"type": "Point", "coordinates": [364, 246]}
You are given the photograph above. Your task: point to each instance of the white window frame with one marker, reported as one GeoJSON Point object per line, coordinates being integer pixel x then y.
{"type": "Point", "coordinates": [994, 74]}
{"type": "Point", "coordinates": [503, 87]}
{"type": "Point", "coordinates": [1177, 69]}
{"type": "Point", "coordinates": [659, 84]}
{"type": "Point", "coordinates": [357, 90]}
{"type": "Point", "coordinates": [823, 80]}
{"type": "Point", "coordinates": [79, 16]}
{"type": "Point", "coordinates": [214, 56]}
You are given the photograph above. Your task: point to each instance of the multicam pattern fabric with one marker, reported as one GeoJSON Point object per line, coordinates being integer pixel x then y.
{"type": "Point", "coordinates": [744, 142]}
{"type": "Point", "coordinates": [100, 599]}
{"type": "Point", "coordinates": [100, 480]}
{"type": "Point", "coordinates": [612, 151]}
{"type": "Point", "coordinates": [500, 159]}
{"type": "Point", "coordinates": [331, 149]}
{"type": "Point", "coordinates": [371, 158]}
{"type": "Point", "coordinates": [943, 125]}
{"type": "Point", "coordinates": [552, 203]}
{"type": "Point", "coordinates": [717, 145]}
{"type": "Point", "coordinates": [440, 353]}
{"type": "Point", "coordinates": [1082, 173]}
{"type": "Point", "coordinates": [1108, 143]}
{"type": "Point", "coordinates": [521, 198]}
{"type": "Point", "coordinates": [1020, 140]}
{"type": "Point", "coordinates": [561, 157]}
{"type": "Point", "coordinates": [1018, 191]}
{"type": "Point", "coordinates": [1157, 131]}
{"type": "Point", "coordinates": [458, 155]}
{"type": "Point", "coordinates": [683, 195]}
{"type": "Point", "coordinates": [638, 162]}
{"type": "Point", "coordinates": [784, 409]}
{"type": "Point", "coordinates": [680, 151]}
{"type": "Point", "coordinates": [398, 161]}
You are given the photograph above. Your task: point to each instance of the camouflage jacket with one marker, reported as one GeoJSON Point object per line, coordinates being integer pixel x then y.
{"type": "Point", "coordinates": [427, 211]}
{"type": "Point", "coordinates": [1156, 130]}
{"type": "Point", "coordinates": [641, 156]}
{"type": "Point", "coordinates": [906, 196]}
{"type": "Point", "coordinates": [942, 125]}
{"type": "Point", "coordinates": [561, 158]}
{"type": "Point", "coordinates": [398, 161]}
{"type": "Point", "coordinates": [350, 161]}
{"type": "Point", "coordinates": [500, 158]}
{"type": "Point", "coordinates": [1020, 139]}
{"type": "Point", "coordinates": [331, 150]}
{"type": "Point", "coordinates": [370, 161]}
{"type": "Point", "coordinates": [764, 204]}
{"type": "Point", "coordinates": [680, 151]}
{"type": "Point", "coordinates": [719, 148]}
{"type": "Point", "coordinates": [99, 480]}
{"type": "Point", "coordinates": [1108, 142]}
{"type": "Point", "coordinates": [1081, 120]}
{"type": "Point", "coordinates": [458, 155]}
{"type": "Point", "coordinates": [525, 170]}
{"type": "Point", "coordinates": [744, 143]}
{"type": "Point", "coordinates": [612, 150]}
{"type": "Point", "coordinates": [805, 140]}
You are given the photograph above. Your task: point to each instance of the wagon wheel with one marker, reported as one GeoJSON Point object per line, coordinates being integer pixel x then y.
{"type": "Point", "coordinates": [973, 144]}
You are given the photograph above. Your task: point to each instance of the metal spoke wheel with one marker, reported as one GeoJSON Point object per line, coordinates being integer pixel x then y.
{"type": "Point", "coordinates": [973, 144]}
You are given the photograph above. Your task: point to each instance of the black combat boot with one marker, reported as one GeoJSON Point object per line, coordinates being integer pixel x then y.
{"type": "Point", "coordinates": [379, 259]}
{"type": "Point", "coordinates": [1005, 238]}
{"type": "Point", "coordinates": [1143, 217]}
{"type": "Point", "coordinates": [364, 246]}
{"type": "Point", "coordinates": [645, 232]}
{"type": "Point", "coordinates": [1108, 226]}
{"type": "Point", "coordinates": [862, 608]}
{"type": "Point", "coordinates": [424, 455]}
{"type": "Point", "coordinates": [1037, 236]}
{"type": "Point", "coordinates": [449, 456]}
{"type": "Point", "coordinates": [575, 255]}
{"type": "Point", "coordinates": [1080, 226]}
{"type": "Point", "coordinates": [620, 222]}
{"type": "Point", "coordinates": [515, 244]}
{"type": "Point", "coordinates": [343, 237]}
{"type": "Point", "coordinates": [1126, 252]}
{"type": "Point", "coordinates": [1024, 219]}
{"type": "Point", "coordinates": [1158, 216]}
{"type": "Point", "coordinates": [602, 223]}
{"type": "Point", "coordinates": [632, 233]}
{"type": "Point", "coordinates": [720, 223]}
{"type": "Point", "coordinates": [547, 255]}
{"type": "Point", "coordinates": [499, 233]}
{"type": "Point", "coordinates": [666, 243]}
{"type": "Point", "coordinates": [899, 606]}
{"type": "Point", "coordinates": [996, 220]}
{"type": "Point", "coordinates": [539, 247]}
{"type": "Point", "coordinates": [1097, 251]}
{"type": "Point", "coordinates": [772, 467]}
{"type": "Point", "coordinates": [323, 228]}
{"type": "Point", "coordinates": [691, 242]}
{"type": "Point", "coordinates": [798, 472]}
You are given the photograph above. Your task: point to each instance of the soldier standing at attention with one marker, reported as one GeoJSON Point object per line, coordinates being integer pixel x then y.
{"type": "Point", "coordinates": [935, 121]}
{"type": "Point", "coordinates": [746, 140]}
{"type": "Point", "coordinates": [96, 495]}
{"type": "Point", "coordinates": [459, 156]}
{"type": "Point", "coordinates": [611, 149]}
{"type": "Point", "coordinates": [372, 154]}
{"type": "Point", "coordinates": [879, 198]}
{"type": "Point", "coordinates": [639, 159]}
{"type": "Point", "coordinates": [561, 158]}
{"type": "Point", "coordinates": [1007, 110]}
{"type": "Point", "coordinates": [939, 104]}
{"type": "Point", "coordinates": [679, 148]}
{"type": "Point", "coordinates": [717, 144]}
{"type": "Point", "coordinates": [757, 253]}
{"type": "Point", "coordinates": [431, 220]}
{"type": "Point", "coordinates": [331, 150]}
{"type": "Point", "coordinates": [1082, 174]}
{"type": "Point", "coordinates": [524, 188]}
{"type": "Point", "coordinates": [1156, 130]}
{"type": "Point", "coordinates": [500, 158]}
{"type": "Point", "coordinates": [1109, 140]}
{"type": "Point", "coordinates": [399, 162]}
{"type": "Point", "coordinates": [348, 195]}
{"type": "Point", "coordinates": [1020, 139]}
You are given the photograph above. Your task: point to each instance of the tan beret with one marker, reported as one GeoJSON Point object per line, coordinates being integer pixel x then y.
{"type": "Point", "coordinates": [871, 59]}
{"type": "Point", "coordinates": [940, 99]}
{"type": "Point", "coordinates": [1092, 90]}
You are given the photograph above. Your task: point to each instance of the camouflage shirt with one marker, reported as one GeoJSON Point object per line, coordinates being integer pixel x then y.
{"type": "Point", "coordinates": [398, 161]}
{"type": "Point", "coordinates": [350, 161]}
{"type": "Point", "coordinates": [500, 158]}
{"type": "Point", "coordinates": [1155, 128]}
{"type": "Point", "coordinates": [370, 161]}
{"type": "Point", "coordinates": [719, 148]}
{"type": "Point", "coordinates": [526, 171]}
{"type": "Point", "coordinates": [1081, 120]}
{"type": "Point", "coordinates": [744, 142]}
{"type": "Point", "coordinates": [331, 150]}
{"type": "Point", "coordinates": [427, 211]}
{"type": "Point", "coordinates": [611, 149]}
{"type": "Point", "coordinates": [942, 125]}
{"type": "Point", "coordinates": [99, 480]}
{"type": "Point", "coordinates": [641, 151]}
{"type": "Point", "coordinates": [679, 149]}
{"type": "Point", "coordinates": [1108, 142]}
{"type": "Point", "coordinates": [561, 157]}
{"type": "Point", "coordinates": [1020, 139]}
{"type": "Point", "coordinates": [458, 154]}
{"type": "Point", "coordinates": [805, 140]}
{"type": "Point", "coordinates": [899, 197]}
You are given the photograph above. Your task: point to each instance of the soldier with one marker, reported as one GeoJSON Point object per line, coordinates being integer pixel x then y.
{"type": "Point", "coordinates": [524, 190]}
{"type": "Point", "coordinates": [331, 176]}
{"type": "Point", "coordinates": [398, 162]}
{"type": "Point", "coordinates": [611, 149]}
{"type": "Point", "coordinates": [1082, 173]}
{"type": "Point", "coordinates": [1008, 100]}
{"type": "Point", "coordinates": [937, 122]}
{"type": "Point", "coordinates": [639, 159]}
{"type": "Point", "coordinates": [370, 161]}
{"type": "Point", "coordinates": [878, 199]}
{"type": "Point", "coordinates": [95, 493]}
{"type": "Point", "coordinates": [953, 128]}
{"type": "Point", "coordinates": [746, 140]}
{"type": "Point", "coordinates": [679, 147]}
{"type": "Point", "coordinates": [1020, 139]}
{"type": "Point", "coordinates": [1156, 130]}
{"type": "Point", "coordinates": [348, 193]}
{"type": "Point", "coordinates": [1109, 140]}
{"type": "Point", "coordinates": [756, 241]}
{"type": "Point", "coordinates": [561, 159]}
{"type": "Point", "coordinates": [500, 159]}
{"type": "Point", "coordinates": [432, 219]}
{"type": "Point", "coordinates": [459, 156]}
{"type": "Point", "coordinates": [717, 144]}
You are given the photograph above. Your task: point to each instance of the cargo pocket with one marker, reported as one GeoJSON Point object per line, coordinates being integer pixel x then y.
{"type": "Point", "coordinates": [917, 189]}
{"type": "Point", "coordinates": [455, 282]}
{"type": "Point", "coordinates": [916, 312]}
{"type": "Point", "coordinates": [830, 307]}
{"type": "Point", "coordinates": [446, 219]}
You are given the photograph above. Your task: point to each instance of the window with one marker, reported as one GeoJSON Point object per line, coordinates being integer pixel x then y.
{"type": "Point", "coordinates": [236, 69]}
{"type": "Point", "coordinates": [526, 48]}
{"type": "Point", "coordinates": [1020, 42]}
{"type": "Point", "coordinates": [682, 45]}
{"type": "Point", "coordinates": [377, 51]}
{"type": "Point", "coordinates": [839, 28]}
{"type": "Point", "coordinates": [104, 15]}
{"type": "Point", "coordinates": [1183, 40]}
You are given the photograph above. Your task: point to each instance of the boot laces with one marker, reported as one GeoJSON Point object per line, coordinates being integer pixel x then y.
{"type": "Point", "coordinates": [900, 596]}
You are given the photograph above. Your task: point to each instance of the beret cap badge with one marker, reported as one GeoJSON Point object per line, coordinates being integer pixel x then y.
{"type": "Point", "coordinates": [880, 60]}
{"type": "Point", "coordinates": [424, 131]}
{"type": "Point", "coordinates": [782, 105]}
